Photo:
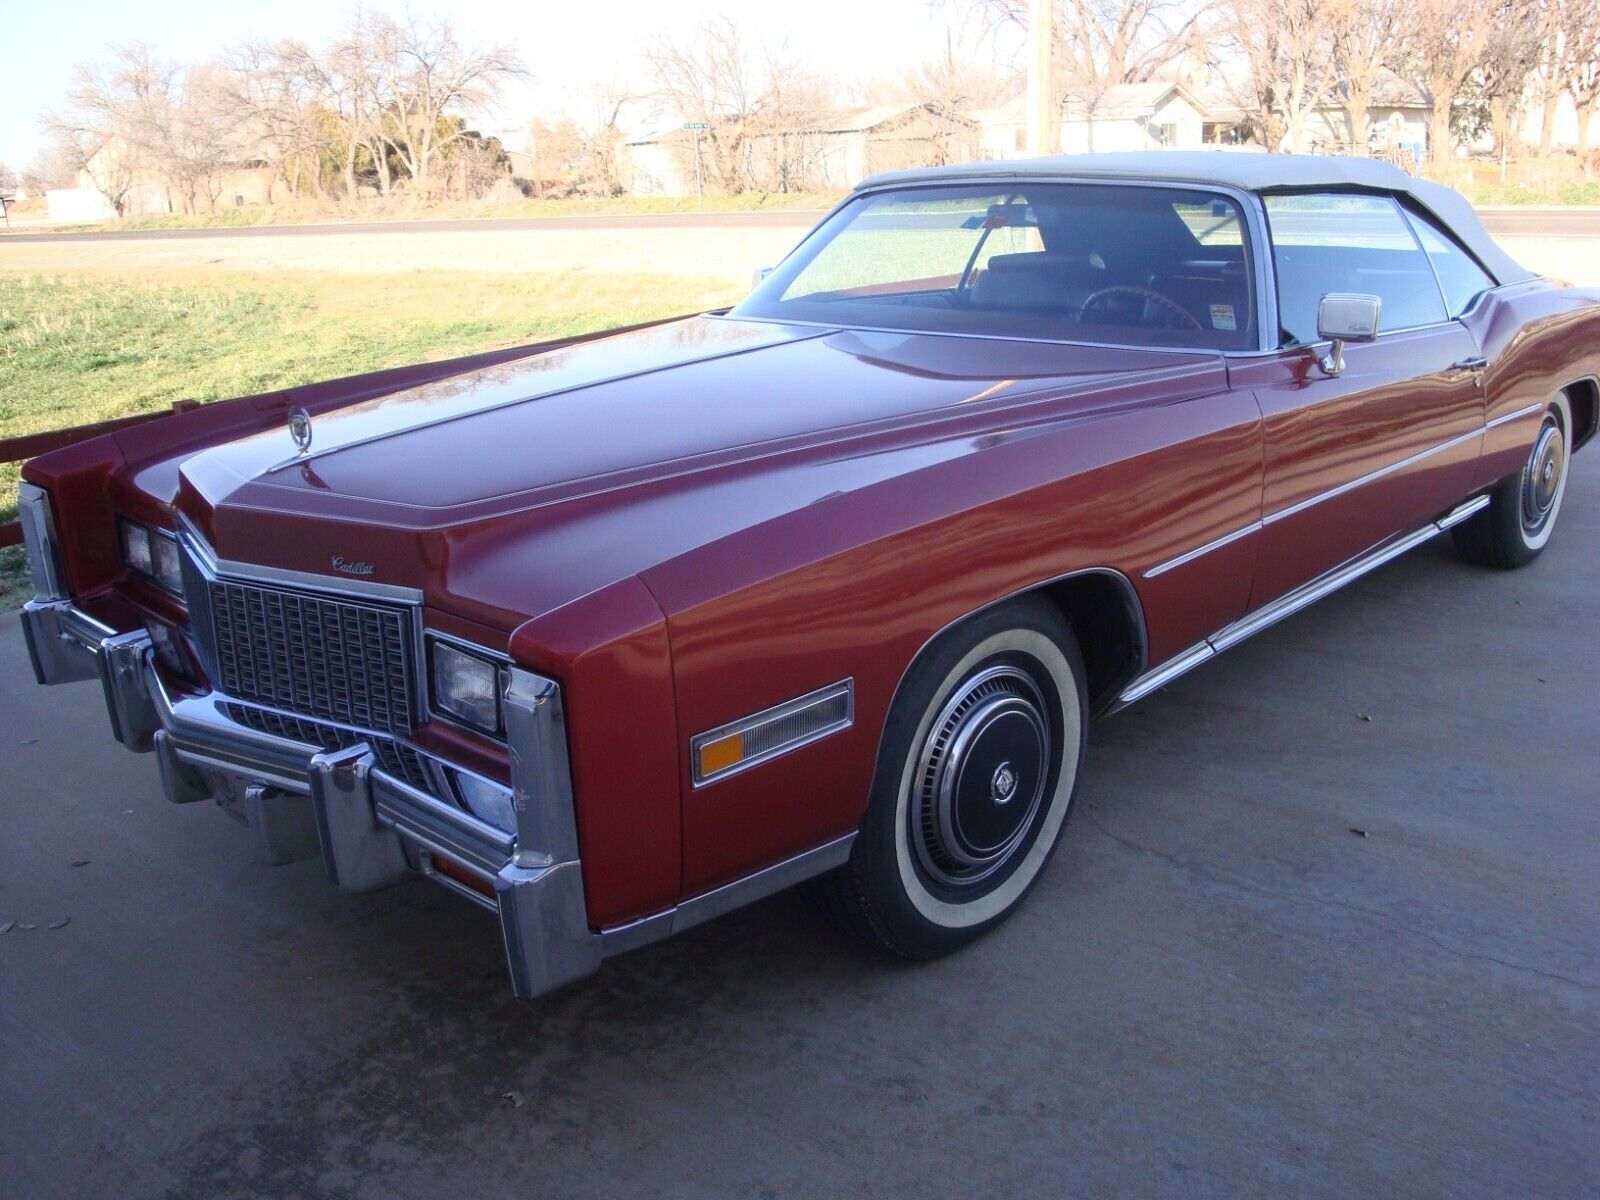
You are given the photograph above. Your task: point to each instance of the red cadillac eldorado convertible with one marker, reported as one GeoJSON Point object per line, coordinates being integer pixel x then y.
{"type": "Point", "coordinates": [615, 634]}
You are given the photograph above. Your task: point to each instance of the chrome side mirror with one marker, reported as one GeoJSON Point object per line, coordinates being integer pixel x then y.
{"type": "Point", "coordinates": [1346, 317]}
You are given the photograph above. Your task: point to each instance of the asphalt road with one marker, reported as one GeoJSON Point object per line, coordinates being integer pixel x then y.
{"type": "Point", "coordinates": [1324, 925]}
{"type": "Point", "coordinates": [1502, 222]}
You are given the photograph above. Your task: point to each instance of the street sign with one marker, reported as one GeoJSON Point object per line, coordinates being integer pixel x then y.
{"type": "Point", "coordinates": [697, 124]}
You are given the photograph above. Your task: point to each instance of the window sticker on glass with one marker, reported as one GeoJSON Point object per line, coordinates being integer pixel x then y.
{"type": "Point", "coordinates": [1222, 317]}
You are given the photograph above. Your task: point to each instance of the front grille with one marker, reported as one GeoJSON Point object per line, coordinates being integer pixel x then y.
{"type": "Point", "coordinates": [338, 659]}
{"type": "Point", "coordinates": [394, 759]}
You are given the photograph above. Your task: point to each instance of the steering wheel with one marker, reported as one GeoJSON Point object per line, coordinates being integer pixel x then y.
{"type": "Point", "coordinates": [1128, 289]}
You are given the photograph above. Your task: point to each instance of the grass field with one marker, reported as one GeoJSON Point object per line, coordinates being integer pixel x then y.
{"type": "Point", "coordinates": [89, 346]}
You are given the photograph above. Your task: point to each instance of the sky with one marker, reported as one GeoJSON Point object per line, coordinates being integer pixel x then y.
{"type": "Point", "coordinates": [568, 46]}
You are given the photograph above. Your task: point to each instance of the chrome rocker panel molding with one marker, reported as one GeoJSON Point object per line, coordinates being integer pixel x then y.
{"type": "Point", "coordinates": [1289, 604]}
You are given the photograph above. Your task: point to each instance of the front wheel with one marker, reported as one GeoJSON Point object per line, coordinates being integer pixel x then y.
{"type": "Point", "coordinates": [1520, 517]}
{"type": "Point", "coordinates": [976, 774]}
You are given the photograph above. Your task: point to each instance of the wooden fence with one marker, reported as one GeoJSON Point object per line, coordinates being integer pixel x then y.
{"type": "Point", "coordinates": [31, 445]}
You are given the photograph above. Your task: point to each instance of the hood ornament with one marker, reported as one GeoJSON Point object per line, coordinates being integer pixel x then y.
{"type": "Point", "coordinates": [300, 430]}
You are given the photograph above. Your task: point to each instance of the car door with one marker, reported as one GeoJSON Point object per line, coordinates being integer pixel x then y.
{"type": "Point", "coordinates": [1355, 457]}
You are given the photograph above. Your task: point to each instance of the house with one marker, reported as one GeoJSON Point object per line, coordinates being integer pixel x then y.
{"type": "Point", "coordinates": [1122, 116]}
{"type": "Point", "coordinates": [1397, 120]}
{"type": "Point", "coordinates": [117, 167]}
{"type": "Point", "coordinates": [830, 153]}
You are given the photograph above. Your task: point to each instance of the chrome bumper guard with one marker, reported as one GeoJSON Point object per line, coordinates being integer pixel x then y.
{"type": "Point", "coordinates": [372, 828]}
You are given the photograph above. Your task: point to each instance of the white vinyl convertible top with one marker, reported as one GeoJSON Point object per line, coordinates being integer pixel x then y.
{"type": "Point", "coordinates": [1246, 171]}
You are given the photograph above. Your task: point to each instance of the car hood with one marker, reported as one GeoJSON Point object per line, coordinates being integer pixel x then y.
{"type": "Point", "coordinates": [443, 485]}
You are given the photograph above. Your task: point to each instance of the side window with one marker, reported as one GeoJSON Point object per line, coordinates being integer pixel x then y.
{"type": "Point", "coordinates": [1463, 279]}
{"type": "Point", "coordinates": [1348, 243]}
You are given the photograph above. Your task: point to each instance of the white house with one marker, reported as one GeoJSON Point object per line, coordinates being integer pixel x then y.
{"type": "Point", "coordinates": [1124, 116]}
{"type": "Point", "coordinates": [1397, 120]}
{"type": "Point", "coordinates": [832, 153]}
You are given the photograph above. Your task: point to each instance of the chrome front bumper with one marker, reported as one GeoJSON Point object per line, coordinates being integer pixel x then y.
{"type": "Point", "coordinates": [372, 828]}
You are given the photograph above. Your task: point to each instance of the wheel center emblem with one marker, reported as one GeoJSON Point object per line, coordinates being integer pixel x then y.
{"type": "Point", "coordinates": [1003, 785]}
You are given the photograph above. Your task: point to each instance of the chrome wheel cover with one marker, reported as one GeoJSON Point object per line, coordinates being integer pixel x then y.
{"type": "Point", "coordinates": [1543, 476]}
{"type": "Point", "coordinates": [980, 777]}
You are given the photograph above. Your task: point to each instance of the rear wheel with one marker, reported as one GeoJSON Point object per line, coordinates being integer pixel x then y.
{"type": "Point", "coordinates": [1520, 517]}
{"type": "Point", "coordinates": [980, 760]}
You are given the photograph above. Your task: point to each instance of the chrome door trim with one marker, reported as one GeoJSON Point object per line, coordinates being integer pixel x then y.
{"type": "Point", "coordinates": [1300, 506]}
{"type": "Point", "coordinates": [1291, 603]}
{"type": "Point", "coordinates": [1370, 477]}
{"type": "Point", "coordinates": [1226, 539]}
{"type": "Point", "coordinates": [1526, 410]}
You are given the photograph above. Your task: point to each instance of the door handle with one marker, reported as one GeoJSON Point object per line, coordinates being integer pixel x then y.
{"type": "Point", "coordinates": [1474, 365]}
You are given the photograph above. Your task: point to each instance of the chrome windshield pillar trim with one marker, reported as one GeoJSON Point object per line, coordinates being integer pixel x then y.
{"type": "Point", "coordinates": [63, 642]}
{"type": "Point", "coordinates": [122, 660]}
{"type": "Point", "coordinates": [37, 518]}
{"type": "Point", "coordinates": [622, 938]}
{"type": "Point", "coordinates": [359, 854]}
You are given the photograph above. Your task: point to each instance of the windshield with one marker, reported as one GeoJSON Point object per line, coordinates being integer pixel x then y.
{"type": "Point", "coordinates": [1120, 265]}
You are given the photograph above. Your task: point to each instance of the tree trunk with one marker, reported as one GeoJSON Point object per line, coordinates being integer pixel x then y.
{"type": "Point", "coordinates": [1547, 123]}
{"type": "Point", "coordinates": [1439, 126]}
{"type": "Point", "coordinates": [1355, 110]}
{"type": "Point", "coordinates": [1586, 114]}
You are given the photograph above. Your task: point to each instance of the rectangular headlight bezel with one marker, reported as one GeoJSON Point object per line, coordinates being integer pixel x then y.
{"type": "Point", "coordinates": [161, 565]}
{"type": "Point", "coordinates": [497, 670]}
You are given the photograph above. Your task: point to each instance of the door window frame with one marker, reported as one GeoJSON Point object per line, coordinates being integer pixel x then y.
{"type": "Point", "coordinates": [1416, 241]}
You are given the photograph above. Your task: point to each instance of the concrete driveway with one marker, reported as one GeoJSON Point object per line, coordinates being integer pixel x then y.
{"type": "Point", "coordinates": [1220, 988]}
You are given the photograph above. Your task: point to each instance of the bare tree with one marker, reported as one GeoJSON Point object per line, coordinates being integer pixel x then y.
{"type": "Point", "coordinates": [50, 168]}
{"type": "Point", "coordinates": [711, 79]}
{"type": "Point", "coordinates": [1365, 36]}
{"type": "Point", "coordinates": [1289, 62]}
{"type": "Point", "coordinates": [1510, 56]}
{"type": "Point", "coordinates": [429, 74]}
{"type": "Point", "coordinates": [1100, 43]}
{"type": "Point", "coordinates": [277, 93]}
{"type": "Point", "coordinates": [1447, 40]}
{"type": "Point", "coordinates": [1581, 68]}
{"type": "Point", "coordinates": [90, 130]}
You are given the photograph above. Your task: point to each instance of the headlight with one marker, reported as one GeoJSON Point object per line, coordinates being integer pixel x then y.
{"type": "Point", "coordinates": [467, 686]}
{"type": "Point", "coordinates": [136, 547]}
{"type": "Point", "coordinates": [152, 553]}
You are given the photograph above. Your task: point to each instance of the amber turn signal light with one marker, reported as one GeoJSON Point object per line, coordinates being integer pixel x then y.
{"type": "Point", "coordinates": [719, 755]}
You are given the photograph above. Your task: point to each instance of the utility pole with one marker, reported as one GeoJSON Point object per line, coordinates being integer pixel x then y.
{"type": "Point", "coordinates": [1044, 119]}
{"type": "Point", "coordinates": [698, 127]}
